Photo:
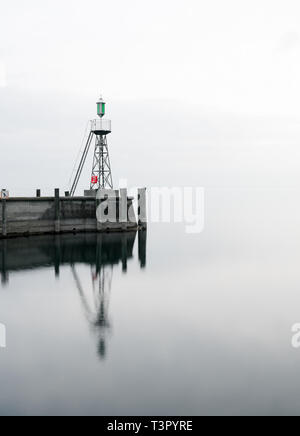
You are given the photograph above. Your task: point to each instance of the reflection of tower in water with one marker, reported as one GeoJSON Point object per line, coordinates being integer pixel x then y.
{"type": "Point", "coordinates": [101, 295]}
{"type": "Point", "coordinates": [97, 313]}
{"type": "Point", "coordinates": [102, 251]}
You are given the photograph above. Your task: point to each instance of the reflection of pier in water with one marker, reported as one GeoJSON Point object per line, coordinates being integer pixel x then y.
{"type": "Point", "coordinates": [101, 251]}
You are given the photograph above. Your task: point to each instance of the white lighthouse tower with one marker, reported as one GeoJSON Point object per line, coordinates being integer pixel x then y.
{"type": "Point", "coordinates": [101, 177]}
{"type": "Point", "coordinates": [101, 171]}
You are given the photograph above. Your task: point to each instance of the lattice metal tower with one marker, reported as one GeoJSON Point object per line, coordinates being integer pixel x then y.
{"type": "Point", "coordinates": [101, 177]}
{"type": "Point", "coordinates": [101, 170]}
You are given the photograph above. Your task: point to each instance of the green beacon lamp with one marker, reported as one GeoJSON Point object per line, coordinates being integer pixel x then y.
{"type": "Point", "coordinates": [101, 107]}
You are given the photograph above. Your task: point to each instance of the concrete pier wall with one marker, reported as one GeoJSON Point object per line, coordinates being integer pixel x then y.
{"type": "Point", "coordinates": [42, 215]}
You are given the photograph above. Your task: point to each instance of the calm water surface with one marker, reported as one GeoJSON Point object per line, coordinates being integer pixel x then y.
{"type": "Point", "coordinates": [157, 323]}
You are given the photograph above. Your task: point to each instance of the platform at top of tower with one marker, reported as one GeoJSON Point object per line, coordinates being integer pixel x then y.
{"type": "Point", "coordinates": [101, 126]}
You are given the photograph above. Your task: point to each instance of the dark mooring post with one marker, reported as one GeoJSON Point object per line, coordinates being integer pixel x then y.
{"type": "Point", "coordinates": [4, 218]}
{"type": "Point", "coordinates": [67, 194]}
{"type": "Point", "coordinates": [123, 208]}
{"type": "Point", "coordinates": [38, 193]}
{"type": "Point", "coordinates": [57, 210]}
{"type": "Point", "coordinates": [142, 209]}
{"type": "Point", "coordinates": [99, 224]}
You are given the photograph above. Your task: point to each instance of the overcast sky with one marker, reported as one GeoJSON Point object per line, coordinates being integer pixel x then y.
{"type": "Point", "coordinates": [204, 73]}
